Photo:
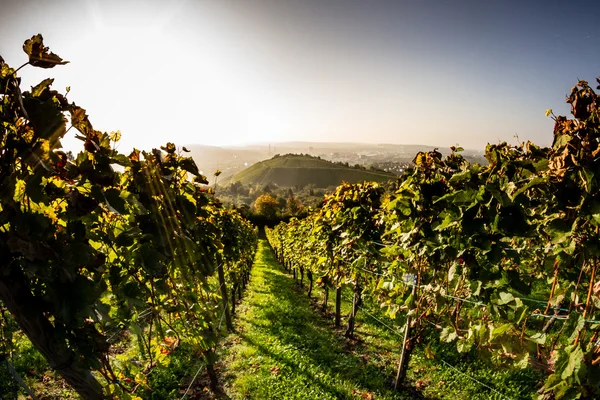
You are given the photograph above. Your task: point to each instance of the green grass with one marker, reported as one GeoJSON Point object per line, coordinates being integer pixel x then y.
{"type": "Point", "coordinates": [286, 348]}
{"type": "Point", "coordinates": [293, 170]}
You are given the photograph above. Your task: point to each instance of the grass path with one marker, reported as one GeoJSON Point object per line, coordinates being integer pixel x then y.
{"type": "Point", "coordinates": [284, 348]}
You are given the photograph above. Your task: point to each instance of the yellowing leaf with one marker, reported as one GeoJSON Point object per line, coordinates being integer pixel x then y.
{"type": "Point", "coordinates": [115, 136]}
{"type": "Point", "coordinates": [39, 55]}
{"type": "Point", "coordinates": [429, 353]}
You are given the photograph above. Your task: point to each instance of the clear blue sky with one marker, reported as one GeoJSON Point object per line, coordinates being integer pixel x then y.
{"type": "Point", "coordinates": [224, 72]}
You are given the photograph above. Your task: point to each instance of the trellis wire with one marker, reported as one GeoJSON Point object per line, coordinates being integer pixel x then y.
{"type": "Point", "coordinates": [192, 382]}
{"type": "Point", "coordinates": [20, 381]}
{"type": "Point", "coordinates": [534, 314]}
{"type": "Point", "coordinates": [440, 359]}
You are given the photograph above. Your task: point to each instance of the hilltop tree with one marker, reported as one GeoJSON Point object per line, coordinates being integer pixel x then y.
{"type": "Point", "coordinates": [266, 206]}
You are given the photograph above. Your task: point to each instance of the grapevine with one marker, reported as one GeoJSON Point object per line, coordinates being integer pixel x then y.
{"type": "Point", "coordinates": [91, 252]}
{"type": "Point", "coordinates": [501, 259]}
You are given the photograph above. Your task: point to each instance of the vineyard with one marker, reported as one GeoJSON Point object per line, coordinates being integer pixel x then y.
{"type": "Point", "coordinates": [110, 262]}
{"type": "Point", "coordinates": [116, 268]}
{"type": "Point", "coordinates": [500, 261]}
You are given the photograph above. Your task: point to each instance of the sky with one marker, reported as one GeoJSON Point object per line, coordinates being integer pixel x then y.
{"type": "Point", "coordinates": [227, 72]}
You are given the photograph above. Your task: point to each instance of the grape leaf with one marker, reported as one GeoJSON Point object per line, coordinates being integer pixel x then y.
{"type": "Point", "coordinates": [39, 55]}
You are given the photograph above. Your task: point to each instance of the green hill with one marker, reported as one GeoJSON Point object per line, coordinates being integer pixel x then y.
{"type": "Point", "coordinates": [294, 169]}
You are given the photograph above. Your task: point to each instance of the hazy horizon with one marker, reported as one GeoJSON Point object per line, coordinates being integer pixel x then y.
{"type": "Point", "coordinates": [316, 142]}
{"type": "Point", "coordinates": [222, 73]}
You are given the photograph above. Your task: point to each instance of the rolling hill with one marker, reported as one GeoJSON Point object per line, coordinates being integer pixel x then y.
{"type": "Point", "coordinates": [300, 170]}
{"type": "Point", "coordinates": [228, 160]}
{"type": "Point", "coordinates": [236, 158]}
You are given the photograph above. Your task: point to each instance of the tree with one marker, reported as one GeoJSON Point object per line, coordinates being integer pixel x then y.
{"type": "Point", "coordinates": [235, 188]}
{"type": "Point", "coordinates": [293, 206]}
{"type": "Point", "coordinates": [266, 206]}
{"type": "Point", "coordinates": [282, 202]}
{"type": "Point", "coordinates": [244, 210]}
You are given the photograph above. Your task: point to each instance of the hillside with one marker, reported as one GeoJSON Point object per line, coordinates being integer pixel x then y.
{"type": "Point", "coordinates": [393, 158]}
{"type": "Point", "coordinates": [300, 170]}
{"type": "Point", "coordinates": [228, 160]}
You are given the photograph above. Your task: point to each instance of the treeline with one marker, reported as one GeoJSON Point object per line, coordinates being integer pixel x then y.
{"type": "Point", "coordinates": [270, 204]}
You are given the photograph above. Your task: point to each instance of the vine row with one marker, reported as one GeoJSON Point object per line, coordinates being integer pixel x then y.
{"type": "Point", "coordinates": [500, 259]}
{"type": "Point", "coordinates": [102, 249]}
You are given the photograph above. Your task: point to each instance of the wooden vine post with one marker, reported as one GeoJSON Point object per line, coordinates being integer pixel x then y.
{"type": "Point", "coordinates": [338, 306]}
{"type": "Point", "coordinates": [224, 297]}
{"type": "Point", "coordinates": [356, 302]}
{"type": "Point", "coordinates": [406, 348]}
{"type": "Point", "coordinates": [325, 294]}
{"type": "Point", "coordinates": [589, 297]}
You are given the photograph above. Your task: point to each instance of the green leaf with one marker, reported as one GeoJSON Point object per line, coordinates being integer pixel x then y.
{"type": "Point", "coordinates": [500, 195]}
{"type": "Point", "coordinates": [533, 182]}
{"type": "Point", "coordinates": [136, 329]}
{"type": "Point", "coordinates": [466, 196]}
{"type": "Point", "coordinates": [428, 352]}
{"type": "Point", "coordinates": [81, 122]}
{"type": "Point", "coordinates": [539, 338]}
{"type": "Point", "coordinates": [448, 221]}
{"type": "Point", "coordinates": [587, 176]}
{"type": "Point", "coordinates": [41, 87]}
{"type": "Point", "coordinates": [522, 362]}
{"type": "Point", "coordinates": [505, 298]}
{"type": "Point", "coordinates": [562, 141]}
{"type": "Point", "coordinates": [151, 260]}
{"type": "Point", "coordinates": [500, 330]}
{"type": "Point", "coordinates": [409, 300]}
{"type": "Point", "coordinates": [574, 364]}
{"type": "Point", "coordinates": [125, 239]}
{"type": "Point", "coordinates": [448, 335]}
{"type": "Point", "coordinates": [46, 117]}
{"type": "Point", "coordinates": [121, 159]}
{"type": "Point", "coordinates": [113, 197]}
{"type": "Point", "coordinates": [187, 208]}
{"type": "Point", "coordinates": [189, 165]}
{"type": "Point", "coordinates": [460, 177]}
{"type": "Point", "coordinates": [451, 272]}
{"type": "Point", "coordinates": [559, 230]}
{"type": "Point", "coordinates": [464, 346]}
